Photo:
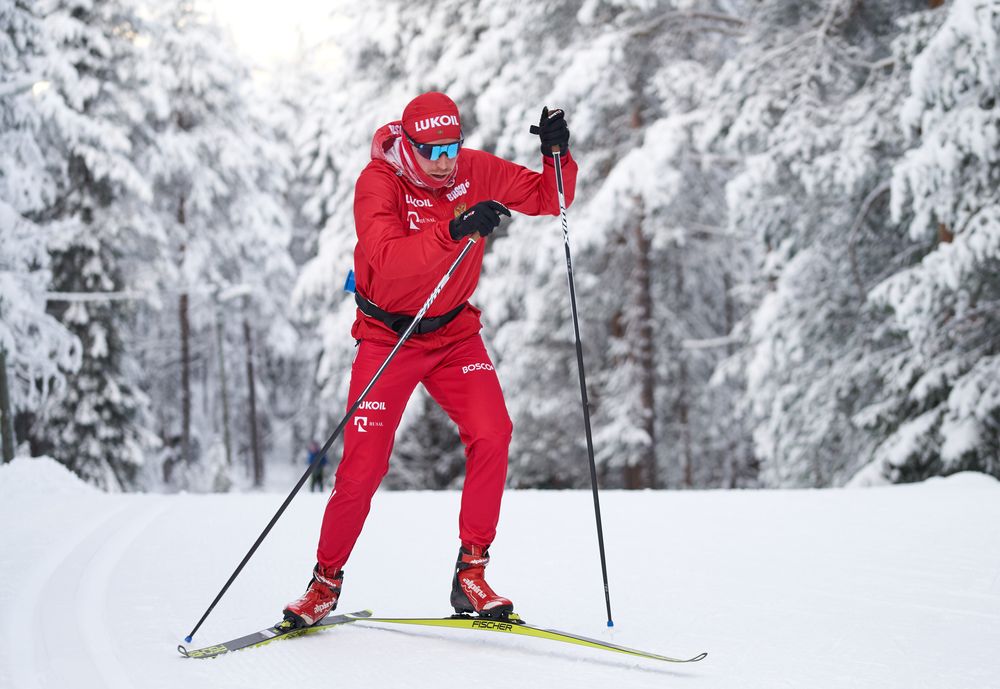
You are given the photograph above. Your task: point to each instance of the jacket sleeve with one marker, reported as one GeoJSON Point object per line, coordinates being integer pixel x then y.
{"type": "Point", "coordinates": [391, 250]}
{"type": "Point", "coordinates": [530, 192]}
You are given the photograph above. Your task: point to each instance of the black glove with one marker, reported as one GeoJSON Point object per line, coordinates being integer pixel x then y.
{"type": "Point", "coordinates": [552, 130]}
{"type": "Point", "coordinates": [482, 218]}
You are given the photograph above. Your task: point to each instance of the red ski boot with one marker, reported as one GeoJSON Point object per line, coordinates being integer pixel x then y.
{"type": "Point", "coordinates": [469, 590]}
{"type": "Point", "coordinates": [319, 600]}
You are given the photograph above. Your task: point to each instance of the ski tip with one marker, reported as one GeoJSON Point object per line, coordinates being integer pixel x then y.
{"type": "Point", "coordinates": [188, 639]}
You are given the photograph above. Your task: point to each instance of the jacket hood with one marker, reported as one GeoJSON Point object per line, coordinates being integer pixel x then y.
{"type": "Point", "coordinates": [390, 145]}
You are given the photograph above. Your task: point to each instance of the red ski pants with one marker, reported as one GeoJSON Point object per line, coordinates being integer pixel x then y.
{"type": "Point", "coordinates": [460, 377]}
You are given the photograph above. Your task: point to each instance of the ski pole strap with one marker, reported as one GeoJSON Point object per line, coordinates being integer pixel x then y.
{"type": "Point", "coordinates": [399, 322]}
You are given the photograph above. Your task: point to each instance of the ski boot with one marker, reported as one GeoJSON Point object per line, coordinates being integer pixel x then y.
{"type": "Point", "coordinates": [469, 590]}
{"type": "Point", "coordinates": [319, 600]}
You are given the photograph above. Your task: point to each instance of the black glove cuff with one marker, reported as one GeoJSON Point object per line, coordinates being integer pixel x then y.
{"type": "Point", "coordinates": [454, 229]}
{"type": "Point", "coordinates": [547, 151]}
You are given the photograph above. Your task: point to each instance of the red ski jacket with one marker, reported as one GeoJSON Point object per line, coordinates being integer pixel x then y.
{"type": "Point", "coordinates": [404, 245]}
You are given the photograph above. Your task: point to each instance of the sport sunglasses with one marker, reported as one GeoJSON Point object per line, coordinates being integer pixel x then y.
{"type": "Point", "coordinates": [434, 151]}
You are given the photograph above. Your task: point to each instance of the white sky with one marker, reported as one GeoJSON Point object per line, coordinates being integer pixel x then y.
{"type": "Point", "coordinates": [271, 31]}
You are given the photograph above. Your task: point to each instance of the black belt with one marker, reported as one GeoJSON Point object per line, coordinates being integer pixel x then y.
{"type": "Point", "coordinates": [399, 322]}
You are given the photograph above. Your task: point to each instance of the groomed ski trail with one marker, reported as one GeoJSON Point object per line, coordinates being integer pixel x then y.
{"type": "Point", "coordinates": [70, 589]}
{"type": "Point", "coordinates": [883, 588]}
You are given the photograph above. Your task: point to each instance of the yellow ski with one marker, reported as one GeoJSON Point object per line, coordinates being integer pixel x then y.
{"type": "Point", "coordinates": [514, 625]}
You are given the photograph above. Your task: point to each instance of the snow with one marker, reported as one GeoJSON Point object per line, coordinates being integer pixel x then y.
{"type": "Point", "coordinates": [964, 480]}
{"type": "Point", "coordinates": [895, 586]}
{"type": "Point", "coordinates": [39, 476]}
{"type": "Point", "coordinates": [907, 440]}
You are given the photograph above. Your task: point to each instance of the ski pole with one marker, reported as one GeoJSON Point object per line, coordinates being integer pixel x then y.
{"type": "Point", "coordinates": [557, 158]}
{"type": "Point", "coordinates": [340, 427]}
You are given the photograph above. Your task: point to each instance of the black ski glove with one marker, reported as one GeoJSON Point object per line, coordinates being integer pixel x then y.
{"type": "Point", "coordinates": [552, 130]}
{"type": "Point", "coordinates": [482, 218]}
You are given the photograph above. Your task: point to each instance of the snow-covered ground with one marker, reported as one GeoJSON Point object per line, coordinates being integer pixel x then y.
{"type": "Point", "coordinates": [880, 587]}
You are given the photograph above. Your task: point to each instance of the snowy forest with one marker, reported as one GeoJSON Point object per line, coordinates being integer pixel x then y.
{"type": "Point", "coordinates": [786, 238]}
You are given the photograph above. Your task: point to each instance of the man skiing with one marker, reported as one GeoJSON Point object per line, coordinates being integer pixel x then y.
{"type": "Point", "coordinates": [419, 201]}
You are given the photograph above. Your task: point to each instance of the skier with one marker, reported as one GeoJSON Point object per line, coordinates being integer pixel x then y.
{"type": "Point", "coordinates": [419, 201]}
{"type": "Point", "coordinates": [319, 475]}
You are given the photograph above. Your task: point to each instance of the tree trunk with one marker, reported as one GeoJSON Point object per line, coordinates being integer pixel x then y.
{"type": "Point", "coordinates": [644, 351]}
{"type": "Point", "coordinates": [638, 330]}
{"type": "Point", "coordinates": [945, 235]}
{"type": "Point", "coordinates": [632, 475]}
{"type": "Point", "coordinates": [730, 314]}
{"type": "Point", "coordinates": [683, 404]}
{"type": "Point", "coordinates": [185, 324]}
{"type": "Point", "coordinates": [258, 464]}
{"type": "Point", "coordinates": [683, 413]}
{"type": "Point", "coordinates": [6, 414]}
{"type": "Point", "coordinates": [227, 440]}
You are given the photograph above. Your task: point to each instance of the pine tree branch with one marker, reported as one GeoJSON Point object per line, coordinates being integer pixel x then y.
{"type": "Point", "coordinates": [992, 201]}
{"type": "Point", "coordinates": [866, 206]}
{"type": "Point", "coordinates": [734, 28]}
{"type": "Point", "coordinates": [710, 343]}
{"type": "Point", "coordinates": [713, 231]}
{"type": "Point", "coordinates": [13, 88]}
{"type": "Point", "coordinates": [95, 296]}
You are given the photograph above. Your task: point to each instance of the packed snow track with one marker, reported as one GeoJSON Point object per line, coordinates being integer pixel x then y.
{"type": "Point", "coordinates": [878, 587]}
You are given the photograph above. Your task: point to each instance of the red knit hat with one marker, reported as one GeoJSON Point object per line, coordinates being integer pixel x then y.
{"type": "Point", "coordinates": [432, 116]}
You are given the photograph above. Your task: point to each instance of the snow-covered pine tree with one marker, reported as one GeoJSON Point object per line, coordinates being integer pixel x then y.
{"type": "Point", "coordinates": [290, 377]}
{"type": "Point", "coordinates": [808, 104]}
{"type": "Point", "coordinates": [941, 412]}
{"type": "Point", "coordinates": [662, 265]}
{"type": "Point", "coordinates": [37, 350]}
{"type": "Point", "coordinates": [98, 426]}
{"type": "Point", "coordinates": [322, 244]}
{"type": "Point", "coordinates": [219, 190]}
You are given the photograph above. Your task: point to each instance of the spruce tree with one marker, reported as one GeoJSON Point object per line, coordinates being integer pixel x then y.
{"type": "Point", "coordinates": [941, 409]}
{"type": "Point", "coordinates": [218, 177]}
{"type": "Point", "coordinates": [815, 135]}
{"type": "Point", "coordinates": [98, 426]}
{"type": "Point", "coordinates": [38, 351]}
